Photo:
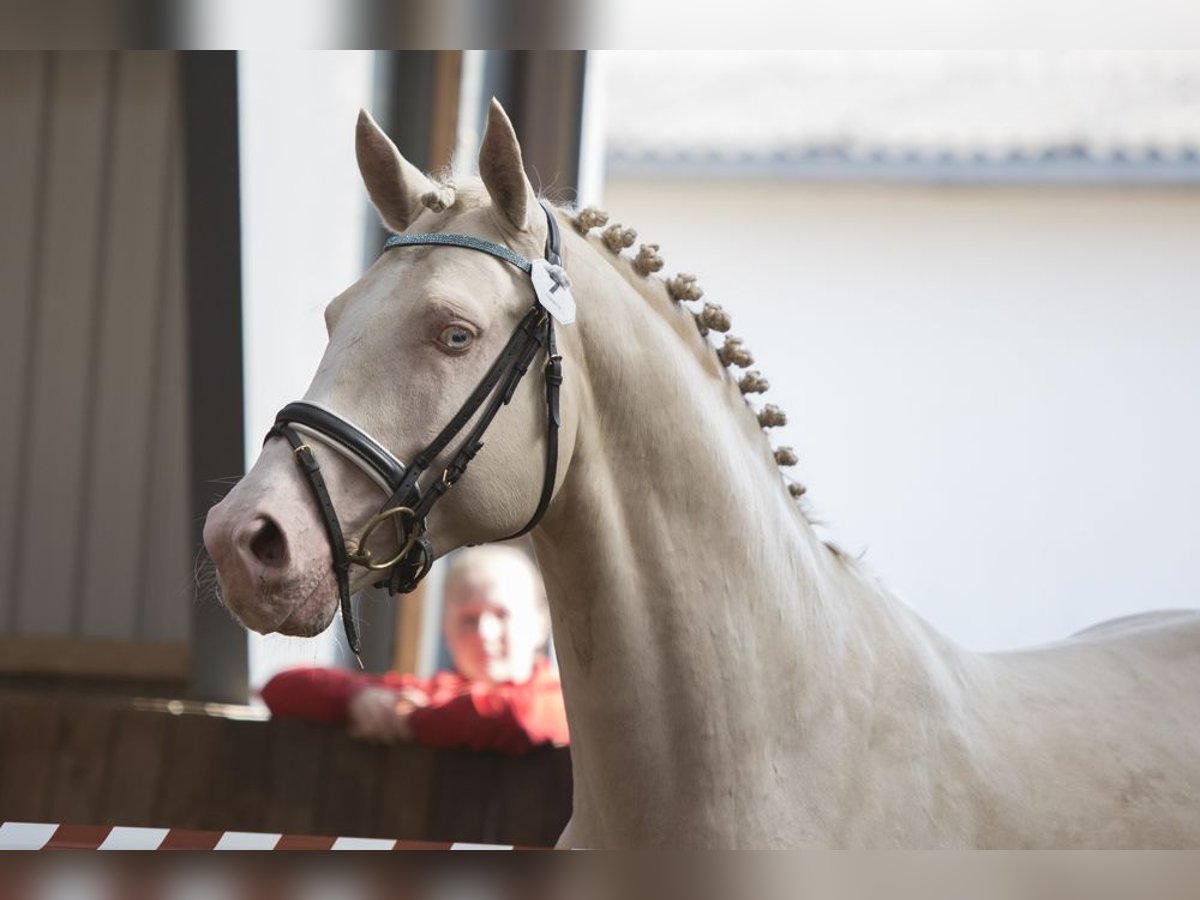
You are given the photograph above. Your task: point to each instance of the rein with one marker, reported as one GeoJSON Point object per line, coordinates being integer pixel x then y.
{"type": "Point", "coordinates": [408, 505]}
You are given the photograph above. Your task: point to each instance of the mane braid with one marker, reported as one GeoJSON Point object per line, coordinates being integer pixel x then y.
{"type": "Point", "coordinates": [638, 272]}
{"type": "Point", "coordinates": [443, 194]}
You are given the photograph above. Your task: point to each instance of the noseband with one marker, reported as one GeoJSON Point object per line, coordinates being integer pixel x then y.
{"type": "Point", "coordinates": [408, 503]}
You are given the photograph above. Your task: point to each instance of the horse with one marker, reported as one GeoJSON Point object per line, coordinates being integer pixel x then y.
{"type": "Point", "coordinates": [730, 679]}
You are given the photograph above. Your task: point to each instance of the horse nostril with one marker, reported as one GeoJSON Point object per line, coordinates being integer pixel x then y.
{"type": "Point", "coordinates": [267, 542]}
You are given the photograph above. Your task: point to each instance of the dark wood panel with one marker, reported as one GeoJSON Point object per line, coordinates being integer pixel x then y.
{"type": "Point", "coordinates": [137, 768]}
{"type": "Point", "coordinates": [530, 811]}
{"type": "Point", "coordinates": [128, 306]}
{"type": "Point", "coordinates": [464, 804]}
{"type": "Point", "coordinates": [85, 761]}
{"type": "Point", "coordinates": [405, 793]}
{"type": "Point", "coordinates": [81, 762]}
{"type": "Point", "coordinates": [183, 797]}
{"type": "Point", "coordinates": [23, 78]}
{"type": "Point", "coordinates": [62, 346]}
{"type": "Point", "coordinates": [236, 779]}
{"type": "Point", "coordinates": [348, 785]}
{"type": "Point", "coordinates": [560, 787]}
{"type": "Point", "coordinates": [294, 771]}
{"type": "Point", "coordinates": [30, 746]}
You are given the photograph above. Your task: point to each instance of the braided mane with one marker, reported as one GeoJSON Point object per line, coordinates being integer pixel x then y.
{"type": "Point", "coordinates": [683, 292]}
{"type": "Point", "coordinates": [667, 296]}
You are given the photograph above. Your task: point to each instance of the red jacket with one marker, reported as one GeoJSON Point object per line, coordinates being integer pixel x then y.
{"type": "Point", "coordinates": [508, 717]}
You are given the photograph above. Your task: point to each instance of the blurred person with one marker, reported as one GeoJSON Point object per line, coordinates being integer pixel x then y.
{"type": "Point", "coordinates": [503, 695]}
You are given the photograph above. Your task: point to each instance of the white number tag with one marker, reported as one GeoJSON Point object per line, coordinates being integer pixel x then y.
{"type": "Point", "coordinates": [553, 289]}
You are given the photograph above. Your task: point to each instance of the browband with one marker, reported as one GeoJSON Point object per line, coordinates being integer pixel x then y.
{"type": "Point", "coordinates": [442, 239]}
{"type": "Point", "coordinates": [459, 240]}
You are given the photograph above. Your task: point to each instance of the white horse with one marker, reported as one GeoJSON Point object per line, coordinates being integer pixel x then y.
{"type": "Point", "coordinates": [730, 680]}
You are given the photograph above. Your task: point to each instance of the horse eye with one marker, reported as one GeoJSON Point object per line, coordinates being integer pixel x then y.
{"type": "Point", "coordinates": [456, 337]}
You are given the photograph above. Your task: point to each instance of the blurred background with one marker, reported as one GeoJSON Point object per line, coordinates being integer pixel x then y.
{"type": "Point", "coordinates": [971, 278]}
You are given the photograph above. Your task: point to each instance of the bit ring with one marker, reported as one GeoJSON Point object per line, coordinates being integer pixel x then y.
{"type": "Point", "coordinates": [358, 553]}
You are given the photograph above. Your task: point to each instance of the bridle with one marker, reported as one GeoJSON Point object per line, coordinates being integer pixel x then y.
{"type": "Point", "coordinates": [408, 503]}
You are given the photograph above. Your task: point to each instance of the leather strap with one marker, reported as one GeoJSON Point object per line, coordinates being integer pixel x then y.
{"type": "Point", "coordinates": [468, 241]}
{"type": "Point", "coordinates": [525, 333]}
{"type": "Point", "coordinates": [554, 380]}
{"type": "Point", "coordinates": [407, 574]}
{"type": "Point", "coordinates": [337, 544]}
{"type": "Point", "coordinates": [473, 442]}
{"type": "Point", "coordinates": [347, 435]}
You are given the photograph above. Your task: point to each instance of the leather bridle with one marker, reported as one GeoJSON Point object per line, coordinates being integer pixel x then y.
{"type": "Point", "coordinates": [408, 503]}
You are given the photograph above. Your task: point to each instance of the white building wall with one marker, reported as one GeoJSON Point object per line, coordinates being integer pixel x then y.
{"type": "Point", "coordinates": [994, 392]}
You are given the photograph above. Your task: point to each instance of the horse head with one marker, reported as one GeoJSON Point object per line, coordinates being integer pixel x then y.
{"type": "Point", "coordinates": [412, 346]}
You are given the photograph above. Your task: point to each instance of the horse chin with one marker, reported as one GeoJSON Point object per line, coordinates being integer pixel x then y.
{"type": "Point", "coordinates": [302, 623]}
{"type": "Point", "coordinates": [300, 607]}
{"type": "Point", "coordinates": [313, 613]}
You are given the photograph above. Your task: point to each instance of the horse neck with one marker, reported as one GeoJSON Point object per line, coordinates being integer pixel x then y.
{"type": "Point", "coordinates": [694, 608]}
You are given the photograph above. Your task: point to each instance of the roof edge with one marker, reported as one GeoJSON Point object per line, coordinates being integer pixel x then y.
{"type": "Point", "coordinates": [833, 165]}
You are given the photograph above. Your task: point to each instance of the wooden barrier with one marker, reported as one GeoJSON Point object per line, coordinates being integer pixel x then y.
{"type": "Point", "coordinates": [192, 766]}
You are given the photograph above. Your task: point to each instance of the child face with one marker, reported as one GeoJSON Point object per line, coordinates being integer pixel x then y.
{"type": "Point", "coordinates": [494, 624]}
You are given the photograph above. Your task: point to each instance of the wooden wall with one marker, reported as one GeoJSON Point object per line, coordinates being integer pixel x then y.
{"type": "Point", "coordinates": [95, 542]}
{"type": "Point", "coordinates": [87, 762]}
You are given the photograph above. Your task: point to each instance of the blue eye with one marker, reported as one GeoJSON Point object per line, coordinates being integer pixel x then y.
{"type": "Point", "coordinates": [456, 337]}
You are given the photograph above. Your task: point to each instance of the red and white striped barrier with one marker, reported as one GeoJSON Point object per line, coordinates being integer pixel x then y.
{"type": "Point", "coordinates": [41, 836]}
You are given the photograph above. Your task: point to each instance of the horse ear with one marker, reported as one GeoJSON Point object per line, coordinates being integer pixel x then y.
{"type": "Point", "coordinates": [395, 184]}
{"type": "Point", "coordinates": [502, 169]}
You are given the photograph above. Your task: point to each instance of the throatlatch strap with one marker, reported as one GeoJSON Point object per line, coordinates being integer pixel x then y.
{"type": "Point", "coordinates": [554, 380]}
